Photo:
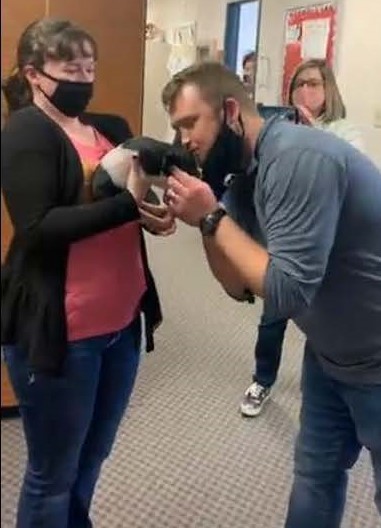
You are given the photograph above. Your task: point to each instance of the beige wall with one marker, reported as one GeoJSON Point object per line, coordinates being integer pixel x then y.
{"type": "Point", "coordinates": [358, 51]}
{"type": "Point", "coordinates": [359, 69]}
{"type": "Point", "coordinates": [156, 75]}
{"type": "Point", "coordinates": [168, 14]}
{"type": "Point", "coordinates": [209, 14]}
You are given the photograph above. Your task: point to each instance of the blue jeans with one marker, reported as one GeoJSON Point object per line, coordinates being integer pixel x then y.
{"type": "Point", "coordinates": [268, 350]}
{"type": "Point", "coordinates": [70, 423]}
{"type": "Point", "coordinates": [337, 420]}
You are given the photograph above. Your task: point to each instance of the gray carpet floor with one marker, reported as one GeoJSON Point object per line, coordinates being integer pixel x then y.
{"type": "Point", "coordinates": [184, 456]}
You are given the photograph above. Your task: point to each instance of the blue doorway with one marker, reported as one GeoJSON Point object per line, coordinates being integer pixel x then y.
{"type": "Point", "coordinates": [241, 32]}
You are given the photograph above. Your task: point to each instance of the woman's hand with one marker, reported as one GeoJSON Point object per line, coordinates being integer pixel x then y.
{"type": "Point", "coordinates": [305, 116]}
{"type": "Point", "coordinates": [157, 219]}
{"type": "Point", "coordinates": [137, 182]}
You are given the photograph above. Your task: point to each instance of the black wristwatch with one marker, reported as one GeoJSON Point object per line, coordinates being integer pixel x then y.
{"type": "Point", "coordinates": [210, 222]}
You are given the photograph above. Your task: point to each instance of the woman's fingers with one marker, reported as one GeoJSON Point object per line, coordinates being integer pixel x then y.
{"type": "Point", "coordinates": [157, 224]}
{"type": "Point", "coordinates": [156, 210]}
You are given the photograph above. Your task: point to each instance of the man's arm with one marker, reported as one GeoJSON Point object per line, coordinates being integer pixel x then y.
{"type": "Point", "coordinates": [238, 203]}
{"type": "Point", "coordinates": [301, 198]}
{"type": "Point", "coordinates": [231, 254]}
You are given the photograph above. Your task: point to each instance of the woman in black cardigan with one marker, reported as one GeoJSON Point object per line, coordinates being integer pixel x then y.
{"type": "Point", "coordinates": [76, 277]}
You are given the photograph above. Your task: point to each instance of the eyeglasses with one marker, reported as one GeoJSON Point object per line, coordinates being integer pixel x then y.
{"type": "Point", "coordinates": [310, 83]}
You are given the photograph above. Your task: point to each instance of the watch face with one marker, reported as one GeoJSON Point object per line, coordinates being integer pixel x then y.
{"type": "Point", "coordinates": [209, 223]}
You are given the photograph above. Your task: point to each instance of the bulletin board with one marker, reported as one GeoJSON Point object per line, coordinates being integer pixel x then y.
{"type": "Point", "coordinates": [309, 34]}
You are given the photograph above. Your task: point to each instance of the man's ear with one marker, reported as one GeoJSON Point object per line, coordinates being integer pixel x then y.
{"type": "Point", "coordinates": [232, 111]}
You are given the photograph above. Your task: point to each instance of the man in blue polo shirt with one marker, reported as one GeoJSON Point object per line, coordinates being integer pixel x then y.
{"type": "Point", "coordinates": [314, 203]}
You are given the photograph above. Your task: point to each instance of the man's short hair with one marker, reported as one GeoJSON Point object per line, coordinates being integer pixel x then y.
{"type": "Point", "coordinates": [215, 82]}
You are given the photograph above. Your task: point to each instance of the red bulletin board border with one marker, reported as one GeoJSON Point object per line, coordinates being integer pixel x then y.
{"type": "Point", "coordinates": [293, 50]}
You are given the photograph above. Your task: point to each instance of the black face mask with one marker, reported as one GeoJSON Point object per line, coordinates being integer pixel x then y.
{"type": "Point", "coordinates": [226, 157]}
{"type": "Point", "coordinates": [70, 97]}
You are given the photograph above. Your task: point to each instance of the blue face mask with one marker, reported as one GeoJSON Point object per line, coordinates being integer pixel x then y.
{"type": "Point", "coordinates": [70, 97]}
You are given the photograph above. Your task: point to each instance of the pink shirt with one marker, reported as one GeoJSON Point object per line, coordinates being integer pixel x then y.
{"type": "Point", "coordinates": [105, 276]}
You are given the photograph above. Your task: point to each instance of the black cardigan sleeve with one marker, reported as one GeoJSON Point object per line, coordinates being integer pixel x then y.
{"type": "Point", "coordinates": [32, 155]}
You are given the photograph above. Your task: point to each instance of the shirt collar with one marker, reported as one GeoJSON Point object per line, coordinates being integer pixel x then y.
{"type": "Point", "coordinates": [265, 129]}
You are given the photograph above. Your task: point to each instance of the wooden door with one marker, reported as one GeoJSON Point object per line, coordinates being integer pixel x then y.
{"type": "Point", "coordinates": [118, 28]}
{"type": "Point", "coordinates": [15, 16]}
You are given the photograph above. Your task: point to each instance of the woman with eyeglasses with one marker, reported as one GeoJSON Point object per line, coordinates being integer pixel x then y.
{"type": "Point", "coordinates": [314, 92]}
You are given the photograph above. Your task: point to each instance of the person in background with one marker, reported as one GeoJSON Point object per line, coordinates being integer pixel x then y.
{"type": "Point", "coordinates": [317, 202]}
{"type": "Point", "coordinates": [75, 280]}
{"type": "Point", "coordinates": [314, 92]}
{"type": "Point", "coordinates": [249, 65]}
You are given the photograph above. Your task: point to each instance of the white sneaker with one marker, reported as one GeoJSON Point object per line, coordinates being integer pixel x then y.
{"type": "Point", "coordinates": [254, 399]}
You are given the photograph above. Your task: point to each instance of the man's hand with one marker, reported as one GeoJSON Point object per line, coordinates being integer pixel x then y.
{"type": "Point", "coordinates": [189, 198]}
{"type": "Point", "coordinates": [157, 219]}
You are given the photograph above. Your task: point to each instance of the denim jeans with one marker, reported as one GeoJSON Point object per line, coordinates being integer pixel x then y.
{"type": "Point", "coordinates": [268, 350]}
{"type": "Point", "coordinates": [70, 423]}
{"type": "Point", "coordinates": [337, 420]}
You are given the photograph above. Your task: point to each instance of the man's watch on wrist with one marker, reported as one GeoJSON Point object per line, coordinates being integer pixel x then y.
{"type": "Point", "coordinates": [210, 222]}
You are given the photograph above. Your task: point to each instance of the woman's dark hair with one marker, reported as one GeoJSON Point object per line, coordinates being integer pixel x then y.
{"type": "Point", "coordinates": [42, 40]}
{"type": "Point", "coordinates": [249, 57]}
{"type": "Point", "coordinates": [16, 92]}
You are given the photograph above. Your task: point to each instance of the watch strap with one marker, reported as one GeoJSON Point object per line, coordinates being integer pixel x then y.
{"type": "Point", "coordinates": [210, 222]}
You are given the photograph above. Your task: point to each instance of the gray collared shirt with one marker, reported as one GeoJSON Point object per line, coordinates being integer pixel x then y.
{"type": "Point", "coordinates": [315, 202]}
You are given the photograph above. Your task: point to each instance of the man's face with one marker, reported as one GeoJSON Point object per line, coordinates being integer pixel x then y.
{"type": "Point", "coordinates": [196, 121]}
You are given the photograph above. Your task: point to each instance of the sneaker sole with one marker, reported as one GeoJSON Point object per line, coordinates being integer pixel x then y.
{"type": "Point", "coordinates": [249, 412]}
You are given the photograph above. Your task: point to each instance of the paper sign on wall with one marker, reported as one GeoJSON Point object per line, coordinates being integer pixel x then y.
{"type": "Point", "coordinates": [309, 34]}
{"type": "Point", "coordinates": [183, 47]}
{"type": "Point", "coordinates": [315, 35]}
